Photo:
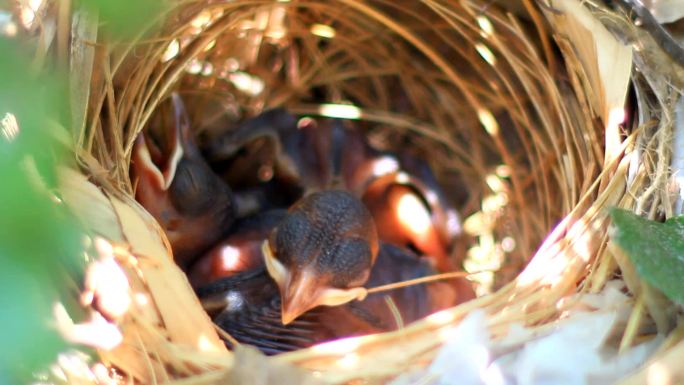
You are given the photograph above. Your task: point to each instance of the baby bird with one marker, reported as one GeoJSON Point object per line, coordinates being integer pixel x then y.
{"type": "Point", "coordinates": [176, 185]}
{"type": "Point", "coordinates": [247, 305]}
{"type": "Point", "coordinates": [322, 252]}
{"type": "Point", "coordinates": [402, 194]}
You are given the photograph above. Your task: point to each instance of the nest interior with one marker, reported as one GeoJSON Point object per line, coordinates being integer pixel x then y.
{"type": "Point", "coordinates": [480, 93]}
{"type": "Point", "coordinates": [463, 85]}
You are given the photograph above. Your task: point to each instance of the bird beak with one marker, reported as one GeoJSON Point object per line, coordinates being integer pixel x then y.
{"type": "Point", "coordinates": [161, 177]}
{"type": "Point", "coordinates": [144, 167]}
{"type": "Point", "coordinates": [306, 292]}
{"type": "Point", "coordinates": [300, 295]}
{"type": "Point", "coordinates": [297, 292]}
{"type": "Point", "coordinates": [303, 291]}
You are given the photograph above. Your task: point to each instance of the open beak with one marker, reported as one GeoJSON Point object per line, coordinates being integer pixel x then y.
{"type": "Point", "coordinates": [161, 176]}
{"type": "Point", "coordinates": [300, 295]}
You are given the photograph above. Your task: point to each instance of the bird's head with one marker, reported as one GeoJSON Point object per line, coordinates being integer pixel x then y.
{"type": "Point", "coordinates": [322, 252]}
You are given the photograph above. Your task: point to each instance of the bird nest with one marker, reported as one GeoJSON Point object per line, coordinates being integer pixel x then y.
{"type": "Point", "coordinates": [520, 115]}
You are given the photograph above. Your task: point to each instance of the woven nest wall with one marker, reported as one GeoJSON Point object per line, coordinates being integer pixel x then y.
{"type": "Point", "coordinates": [514, 117]}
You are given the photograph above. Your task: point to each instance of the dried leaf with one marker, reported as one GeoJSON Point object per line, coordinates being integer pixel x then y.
{"type": "Point", "coordinates": [185, 320]}
{"type": "Point", "coordinates": [89, 204]}
{"type": "Point", "coordinates": [606, 62]}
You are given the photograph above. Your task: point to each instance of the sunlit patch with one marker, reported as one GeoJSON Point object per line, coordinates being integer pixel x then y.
{"type": "Point", "coordinates": [486, 53]}
{"type": "Point", "coordinates": [441, 318]}
{"type": "Point", "coordinates": [402, 178]}
{"type": "Point", "coordinates": [209, 46]}
{"type": "Point", "coordinates": [659, 374]}
{"type": "Point", "coordinates": [616, 116]}
{"type": "Point", "coordinates": [171, 51]}
{"type": "Point", "coordinates": [485, 25]}
{"type": "Point", "coordinates": [28, 12]}
{"type": "Point", "coordinates": [74, 363]}
{"type": "Point", "coordinates": [581, 240]}
{"type": "Point", "coordinates": [8, 27]}
{"type": "Point", "coordinates": [201, 20]}
{"type": "Point", "coordinates": [349, 361]}
{"type": "Point", "coordinates": [347, 345]}
{"type": "Point", "coordinates": [56, 199]}
{"type": "Point", "coordinates": [488, 121]}
{"type": "Point", "coordinates": [323, 30]}
{"type": "Point", "coordinates": [106, 282]}
{"type": "Point", "coordinates": [9, 128]}
{"type": "Point", "coordinates": [234, 300]}
{"type": "Point", "coordinates": [476, 224]}
{"type": "Point", "coordinates": [231, 64]}
{"type": "Point", "coordinates": [413, 214]}
{"type": "Point", "coordinates": [448, 333]}
{"type": "Point", "coordinates": [205, 345]}
{"type": "Point", "coordinates": [431, 197]}
{"type": "Point", "coordinates": [276, 28]}
{"type": "Point", "coordinates": [552, 262]}
{"type": "Point", "coordinates": [495, 202]}
{"type": "Point", "coordinates": [453, 223]}
{"type": "Point", "coordinates": [246, 83]}
{"type": "Point", "coordinates": [230, 257]}
{"type": "Point", "coordinates": [57, 372]}
{"type": "Point", "coordinates": [141, 299]}
{"type": "Point", "coordinates": [384, 165]}
{"type": "Point", "coordinates": [207, 69]}
{"type": "Point", "coordinates": [503, 171]}
{"type": "Point", "coordinates": [494, 183]}
{"type": "Point", "coordinates": [613, 142]}
{"type": "Point", "coordinates": [340, 111]}
{"type": "Point", "coordinates": [508, 244]}
{"type": "Point", "coordinates": [97, 333]}
{"type": "Point", "coordinates": [105, 376]}
{"type": "Point", "coordinates": [194, 67]}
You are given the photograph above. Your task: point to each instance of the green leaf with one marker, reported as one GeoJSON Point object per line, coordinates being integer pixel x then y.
{"type": "Point", "coordinates": [656, 250]}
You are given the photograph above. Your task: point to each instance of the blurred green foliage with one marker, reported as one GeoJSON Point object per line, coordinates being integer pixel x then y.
{"type": "Point", "coordinates": [40, 243]}
{"type": "Point", "coordinates": [38, 239]}
{"type": "Point", "coordinates": [126, 18]}
{"type": "Point", "coordinates": [656, 250]}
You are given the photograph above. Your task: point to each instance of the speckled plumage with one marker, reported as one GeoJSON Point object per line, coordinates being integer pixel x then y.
{"type": "Point", "coordinates": [331, 232]}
